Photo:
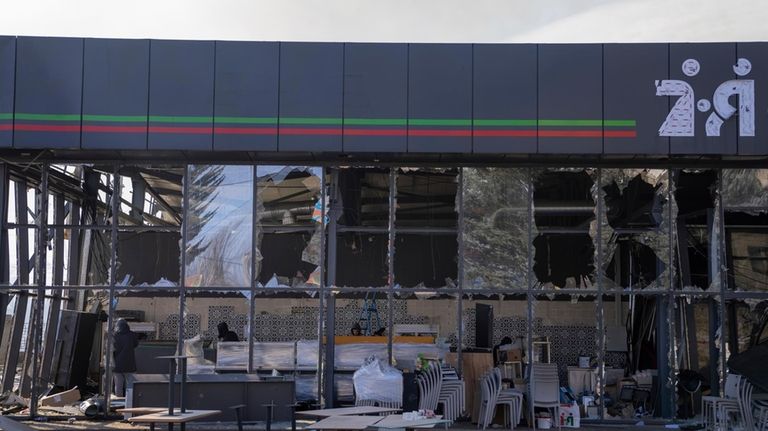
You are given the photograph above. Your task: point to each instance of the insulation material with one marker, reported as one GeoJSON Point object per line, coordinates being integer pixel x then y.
{"type": "Point", "coordinates": [405, 354]}
{"type": "Point", "coordinates": [635, 216]}
{"type": "Point", "coordinates": [306, 387]}
{"type": "Point", "coordinates": [277, 355]}
{"type": "Point", "coordinates": [232, 355]}
{"type": "Point", "coordinates": [495, 231]}
{"type": "Point", "coordinates": [352, 356]}
{"type": "Point", "coordinates": [307, 355]}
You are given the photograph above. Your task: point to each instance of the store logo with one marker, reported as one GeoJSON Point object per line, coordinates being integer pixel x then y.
{"type": "Point", "coordinates": [680, 120]}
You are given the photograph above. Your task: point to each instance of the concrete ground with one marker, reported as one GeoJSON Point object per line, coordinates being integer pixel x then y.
{"type": "Point", "coordinates": [52, 425]}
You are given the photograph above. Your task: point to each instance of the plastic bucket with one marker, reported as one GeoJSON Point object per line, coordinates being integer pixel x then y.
{"type": "Point", "coordinates": [544, 423]}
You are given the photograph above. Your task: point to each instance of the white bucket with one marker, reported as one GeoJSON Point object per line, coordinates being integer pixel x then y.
{"type": "Point", "coordinates": [544, 423]}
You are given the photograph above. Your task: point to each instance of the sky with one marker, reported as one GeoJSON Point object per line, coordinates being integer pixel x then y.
{"type": "Point", "coordinates": [490, 21]}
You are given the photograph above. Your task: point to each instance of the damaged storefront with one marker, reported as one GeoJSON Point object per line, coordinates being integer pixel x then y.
{"type": "Point", "coordinates": [479, 205]}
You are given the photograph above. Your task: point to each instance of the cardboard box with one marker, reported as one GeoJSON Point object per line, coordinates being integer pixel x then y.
{"type": "Point", "coordinates": [61, 399]}
{"type": "Point", "coordinates": [514, 355]}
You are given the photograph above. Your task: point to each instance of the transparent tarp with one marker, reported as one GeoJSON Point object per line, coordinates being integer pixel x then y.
{"type": "Point", "coordinates": [220, 218]}
{"type": "Point", "coordinates": [495, 234]}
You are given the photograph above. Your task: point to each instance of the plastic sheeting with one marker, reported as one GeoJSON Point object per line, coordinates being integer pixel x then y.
{"type": "Point", "coordinates": [377, 381]}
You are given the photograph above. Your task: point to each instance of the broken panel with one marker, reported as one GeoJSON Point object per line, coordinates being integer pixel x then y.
{"type": "Point", "coordinates": [696, 229]}
{"type": "Point", "coordinates": [426, 197]}
{"type": "Point", "coordinates": [635, 229]}
{"type": "Point", "coordinates": [495, 233]}
{"type": "Point", "coordinates": [361, 259]}
{"type": "Point", "coordinates": [563, 240]}
{"type": "Point", "coordinates": [220, 217]}
{"type": "Point", "coordinates": [745, 207]}
{"type": "Point", "coordinates": [289, 214]}
{"type": "Point", "coordinates": [364, 196]}
{"type": "Point", "coordinates": [151, 195]}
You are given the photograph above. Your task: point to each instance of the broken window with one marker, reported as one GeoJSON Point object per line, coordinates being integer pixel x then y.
{"type": "Point", "coordinates": [426, 247]}
{"type": "Point", "coordinates": [220, 217]}
{"type": "Point", "coordinates": [563, 245]}
{"type": "Point", "coordinates": [151, 195]}
{"type": "Point", "coordinates": [635, 228]}
{"type": "Point", "coordinates": [696, 227]}
{"type": "Point", "coordinates": [289, 225]}
{"type": "Point", "coordinates": [495, 235]}
{"type": "Point", "coordinates": [361, 259]}
{"type": "Point", "coordinates": [745, 206]}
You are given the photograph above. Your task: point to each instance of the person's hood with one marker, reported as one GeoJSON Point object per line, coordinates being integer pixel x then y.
{"type": "Point", "coordinates": [223, 328]}
{"type": "Point", "coordinates": [122, 327]}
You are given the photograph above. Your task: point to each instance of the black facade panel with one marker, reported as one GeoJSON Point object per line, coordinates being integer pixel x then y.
{"type": "Point", "coordinates": [311, 96]}
{"type": "Point", "coordinates": [7, 73]}
{"type": "Point", "coordinates": [375, 97]}
{"type": "Point", "coordinates": [49, 80]}
{"type": "Point", "coordinates": [504, 99]}
{"type": "Point", "coordinates": [633, 112]}
{"type": "Point", "coordinates": [181, 95]}
{"type": "Point", "coordinates": [757, 55]}
{"type": "Point", "coordinates": [440, 98]}
{"type": "Point", "coordinates": [247, 75]}
{"type": "Point", "coordinates": [115, 94]}
{"type": "Point", "coordinates": [570, 99]}
{"type": "Point", "coordinates": [703, 67]}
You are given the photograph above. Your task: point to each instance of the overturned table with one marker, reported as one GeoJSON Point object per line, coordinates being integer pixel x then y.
{"type": "Point", "coordinates": [177, 418]}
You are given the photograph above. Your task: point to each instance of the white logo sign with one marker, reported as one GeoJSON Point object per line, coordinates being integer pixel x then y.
{"type": "Point", "coordinates": [680, 120]}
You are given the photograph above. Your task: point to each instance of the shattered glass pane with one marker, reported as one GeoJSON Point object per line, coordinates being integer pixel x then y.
{"type": "Point", "coordinates": [495, 231]}
{"type": "Point", "coordinates": [563, 240]}
{"type": "Point", "coordinates": [696, 229]}
{"type": "Point", "coordinates": [220, 218]}
{"type": "Point", "coordinates": [635, 229]}
{"type": "Point", "coordinates": [745, 202]}
{"type": "Point", "coordinates": [289, 225]}
{"type": "Point", "coordinates": [364, 196]}
{"type": "Point", "coordinates": [151, 195]}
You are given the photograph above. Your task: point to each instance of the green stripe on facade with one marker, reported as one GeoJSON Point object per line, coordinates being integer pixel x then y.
{"type": "Point", "coordinates": [438, 122]}
{"type": "Point", "coordinates": [116, 118]}
{"type": "Point", "coordinates": [6, 116]}
{"type": "Point", "coordinates": [171, 119]}
{"type": "Point", "coordinates": [312, 121]}
{"type": "Point", "coordinates": [502, 123]}
{"type": "Point", "coordinates": [587, 123]}
{"type": "Point", "coordinates": [376, 121]}
{"type": "Point", "coordinates": [48, 117]}
{"type": "Point", "coordinates": [245, 120]}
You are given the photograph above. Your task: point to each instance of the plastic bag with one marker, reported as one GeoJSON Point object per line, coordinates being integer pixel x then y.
{"type": "Point", "coordinates": [570, 416]}
{"type": "Point", "coordinates": [377, 381]}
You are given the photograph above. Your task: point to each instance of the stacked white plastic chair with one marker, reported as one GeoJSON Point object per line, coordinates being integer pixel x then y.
{"type": "Point", "coordinates": [434, 390]}
{"type": "Point", "coordinates": [512, 398]}
{"type": "Point", "coordinates": [492, 394]}
{"type": "Point", "coordinates": [545, 390]}
{"type": "Point", "coordinates": [717, 411]}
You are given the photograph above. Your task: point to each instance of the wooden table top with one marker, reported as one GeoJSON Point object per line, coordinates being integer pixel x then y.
{"type": "Point", "coordinates": [348, 422]}
{"type": "Point", "coordinates": [177, 418]}
{"type": "Point", "coordinates": [344, 411]}
{"type": "Point", "coordinates": [397, 421]}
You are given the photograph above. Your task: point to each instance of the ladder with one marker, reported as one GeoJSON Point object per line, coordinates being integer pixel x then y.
{"type": "Point", "coordinates": [369, 315]}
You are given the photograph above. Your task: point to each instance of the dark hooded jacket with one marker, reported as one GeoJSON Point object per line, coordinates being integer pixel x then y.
{"type": "Point", "coordinates": [125, 344]}
{"type": "Point", "coordinates": [225, 334]}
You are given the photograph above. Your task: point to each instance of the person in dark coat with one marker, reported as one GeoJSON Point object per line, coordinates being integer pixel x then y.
{"type": "Point", "coordinates": [225, 334]}
{"type": "Point", "coordinates": [125, 342]}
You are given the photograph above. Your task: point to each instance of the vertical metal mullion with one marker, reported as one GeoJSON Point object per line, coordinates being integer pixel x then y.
{"type": "Point", "coordinates": [40, 267]}
{"type": "Point", "coordinates": [460, 281]}
{"type": "Point", "coordinates": [665, 314]}
{"type": "Point", "coordinates": [58, 276]}
{"type": "Point", "coordinates": [391, 260]}
{"type": "Point", "coordinates": [529, 292]}
{"type": "Point", "coordinates": [183, 258]}
{"type": "Point", "coordinates": [600, 303]}
{"type": "Point", "coordinates": [323, 290]}
{"type": "Point", "coordinates": [115, 208]}
{"type": "Point", "coordinates": [254, 247]}
{"type": "Point", "coordinates": [5, 256]}
{"type": "Point", "coordinates": [722, 369]}
{"type": "Point", "coordinates": [330, 324]}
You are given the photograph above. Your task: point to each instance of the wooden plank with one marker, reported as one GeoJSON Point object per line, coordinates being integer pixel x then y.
{"type": "Point", "coordinates": [178, 418]}
{"type": "Point", "coordinates": [8, 424]}
{"type": "Point", "coordinates": [345, 411]}
{"type": "Point", "coordinates": [344, 423]}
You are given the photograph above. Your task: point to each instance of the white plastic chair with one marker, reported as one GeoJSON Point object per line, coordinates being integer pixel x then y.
{"type": "Point", "coordinates": [451, 395]}
{"type": "Point", "coordinates": [714, 410]}
{"type": "Point", "coordinates": [511, 398]}
{"type": "Point", "coordinates": [545, 390]}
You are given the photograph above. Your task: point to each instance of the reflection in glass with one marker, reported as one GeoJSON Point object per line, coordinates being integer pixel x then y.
{"type": "Point", "coordinates": [364, 195]}
{"type": "Point", "coordinates": [151, 195]}
{"type": "Point", "coordinates": [745, 205]}
{"type": "Point", "coordinates": [289, 219]}
{"type": "Point", "coordinates": [426, 197]}
{"type": "Point", "coordinates": [495, 235]}
{"type": "Point", "coordinates": [220, 218]}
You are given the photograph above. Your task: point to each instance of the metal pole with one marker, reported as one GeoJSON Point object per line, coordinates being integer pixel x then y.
{"type": "Point", "coordinates": [115, 208]}
{"type": "Point", "coordinates": [254, 246]}
{"type": "Point", "coordinates": [183, 258]}
{"type": "Point", "coordinates": [391, 260]}
{"type": "Point", "coordinates": [529, 293]}
{"type": "Point", "coordinates": [40, 266]}
{"type": "Point", "coordinates": [323, 290]}
{"type": "Point", "coordinates": [460, 281]}
{"type": "Point", "coordinates": [330, 324]}
{"type": "Point", "coordinates": [600, 305]}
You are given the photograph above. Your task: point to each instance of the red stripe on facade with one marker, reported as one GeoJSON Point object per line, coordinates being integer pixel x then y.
{"type": "Point", "coordinates": [303, 131]}
{"type": "Point", "coordinates": [182, 130]}
{"type": "Point", "coordinates": [46, 128]}
{"type": "Point", "coordinates": [115, 129]}
{"type": "Point", "coordinates": [375, 132]}
{"type": "Point", "coordinates": [505, 133]}
{"type": "Point", "coordinates": [620, 134]}
{"type": "Point", "coordinates": [6, 127]}
{"type": "Point", "coordinates": [432, 132]}
{"type": "Point", "coordinates": [245, 130]}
